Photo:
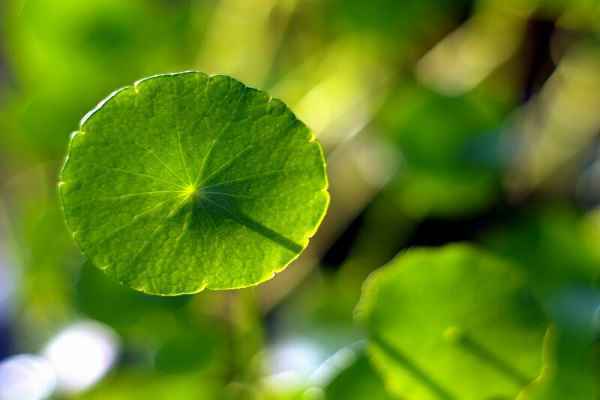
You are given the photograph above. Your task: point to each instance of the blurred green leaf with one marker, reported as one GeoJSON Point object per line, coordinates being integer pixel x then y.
{"type": "Point", "coordinates": [53, 47]}
{"type": "Point", "coordinates": [392, 22]}
{"type": "Point", "coordinates": [170, 178]}
{"type": "Point", "coordinates": [452, 323]}
{"type": "Point", "coordinates": [449, 148]}
{"type": "Point", "coordinates": [554, 246]}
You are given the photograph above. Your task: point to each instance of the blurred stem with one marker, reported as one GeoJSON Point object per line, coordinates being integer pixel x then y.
{"type": "Point", "coordinates": [381, 237]}
{"type": "Point", "coordinates": [247, 340]}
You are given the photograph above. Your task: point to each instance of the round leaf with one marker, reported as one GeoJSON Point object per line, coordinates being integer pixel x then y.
{"type": "Point", "coordinates": [453, 323]}
{"type": "Point", "coordinates": [183, 182]}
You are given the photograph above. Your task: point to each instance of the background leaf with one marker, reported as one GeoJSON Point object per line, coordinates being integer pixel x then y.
{"type": "Point", "coordinates": [451, 323]}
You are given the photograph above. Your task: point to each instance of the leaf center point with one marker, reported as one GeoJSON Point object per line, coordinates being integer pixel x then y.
{"type": "Point", "coordinates": [190, 192]}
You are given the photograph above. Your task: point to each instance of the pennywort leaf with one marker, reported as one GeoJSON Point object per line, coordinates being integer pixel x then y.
{"type": "Point", "coordinates": [453, 323]}
{"type": "Point", "coordinates": [183, 182]}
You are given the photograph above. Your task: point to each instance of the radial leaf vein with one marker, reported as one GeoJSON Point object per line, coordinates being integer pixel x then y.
{"type": "Point", "coordinates": [142, 175]}
{"type": "Point", "coordinates": [219, 135]}
{"type": "Point", "coordinates": [223, 167]}
{"type": "Point", "coordinates": [164, 164]}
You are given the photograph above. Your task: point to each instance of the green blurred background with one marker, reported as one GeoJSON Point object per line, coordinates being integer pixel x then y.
{"type": "Point", "coordinates": [443, 121]}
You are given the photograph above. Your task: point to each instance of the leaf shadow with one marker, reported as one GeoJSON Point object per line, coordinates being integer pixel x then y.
{"type": "Point", "coordinates": [479, 351]}
{"type": "Point", "coordinates": [222, 206]}
{"type": "Point", "coordinates": [412, 368]}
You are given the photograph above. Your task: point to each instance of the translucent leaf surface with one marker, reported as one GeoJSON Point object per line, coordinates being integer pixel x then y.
{"type": "Point", "coordinates": [183, 182]}
{"type": "Point", "coordinates": [453, 323]}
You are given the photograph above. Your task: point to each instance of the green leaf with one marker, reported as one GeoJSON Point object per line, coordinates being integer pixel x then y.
{"type": "Point", "coordinates": [453, 323]}
{"type": "Point", "coordinates": [133, 37]}
{"type": "Point", "coordinates": [554, 245]}
{"type": "Point", "coordinates": [450, 150]}
{"type": "Point", "coordinates": [183, 182]}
